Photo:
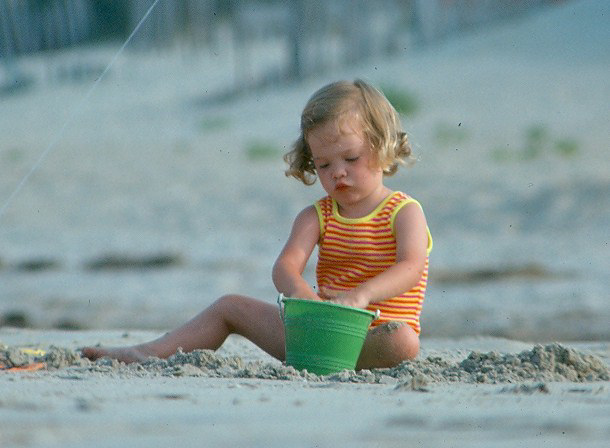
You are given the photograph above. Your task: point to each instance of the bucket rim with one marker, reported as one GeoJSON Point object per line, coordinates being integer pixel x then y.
{"type": "Point", "coordinates": [368, 313]}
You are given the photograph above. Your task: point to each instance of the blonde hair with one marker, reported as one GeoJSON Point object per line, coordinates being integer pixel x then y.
{"type": "Point", "coordinates": [379, 122]}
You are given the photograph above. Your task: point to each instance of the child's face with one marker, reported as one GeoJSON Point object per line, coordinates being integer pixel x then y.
{"type": "Point", "coordinates": [345, 164]}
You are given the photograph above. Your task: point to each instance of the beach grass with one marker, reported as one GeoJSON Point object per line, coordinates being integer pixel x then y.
{"type": "Point", "coordinates": [567, 146]}
{"type": "Point", "coordinates": [215, 123]}
{"type": "Point", "coordinates": [446, 134]}
{"type": "Point", "coordinates": [262, 150]}
{"type": "Point", "coordinates": [404, 101]}
{"type": "Point", "coordinates": [537, 141]}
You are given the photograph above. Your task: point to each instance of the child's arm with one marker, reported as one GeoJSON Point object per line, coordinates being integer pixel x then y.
{"type": "Point", "coordinates": [290, 264]}
{"type": "Point", "coordinates": [411, 233]}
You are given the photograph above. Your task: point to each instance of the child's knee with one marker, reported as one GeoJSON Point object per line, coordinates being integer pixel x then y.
{"type": "Point", "coordinates": [399, 341]}
{"type": "Point", "coordinates": [391, 328]}
{"type": "Point", "coordinates": [234, 308]}
{"type": "Point", "coordinates": [406, 338]}
{"type": "Point", "coordinates": [226, 305]}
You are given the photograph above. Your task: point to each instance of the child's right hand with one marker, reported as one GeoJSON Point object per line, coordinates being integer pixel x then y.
{"type": "Point", "coordinates": [349, 298]}
{"type": "Point", "coordinates": [313, 297]}
{"type": "Point", "coordinates": [306, 295]}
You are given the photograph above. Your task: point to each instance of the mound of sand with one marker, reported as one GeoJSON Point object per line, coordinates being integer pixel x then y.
{"type": "Point", "coordinates": [552, 362]}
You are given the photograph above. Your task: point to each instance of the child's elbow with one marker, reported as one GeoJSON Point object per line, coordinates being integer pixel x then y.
{"type": "Point", "coordinates": [276, 272]}
{"type": "Point", "coordinates": [279, 272]}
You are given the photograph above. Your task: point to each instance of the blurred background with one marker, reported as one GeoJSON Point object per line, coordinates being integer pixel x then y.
{"type": "Point", "coordinates": [305, 36]}
{"type": "Point", "coordinates": [155, 184]}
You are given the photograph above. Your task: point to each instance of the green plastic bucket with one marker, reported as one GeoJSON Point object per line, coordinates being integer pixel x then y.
{"type": "Point", "coordinates": [323, 337]}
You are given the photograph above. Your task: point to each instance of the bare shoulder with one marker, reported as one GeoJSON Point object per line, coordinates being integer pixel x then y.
{"type": "Point", "coordinates": [309, 213]}
{"type": "Point", "coordinates": [411, 229]}
{"type": "Point", "coordinates": [411, 216]}
{"type": "Point", "coordinates": [307, 224]}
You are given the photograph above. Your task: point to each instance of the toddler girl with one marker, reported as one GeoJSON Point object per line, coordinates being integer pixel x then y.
{"type": "Point", "coordinates": [373, 242]}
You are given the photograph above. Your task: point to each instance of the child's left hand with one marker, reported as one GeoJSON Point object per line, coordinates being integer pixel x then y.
{"type": "Point", "coordinates": [349, 298]}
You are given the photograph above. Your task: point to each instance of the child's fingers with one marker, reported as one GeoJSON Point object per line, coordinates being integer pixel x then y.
{"type": "Point", "coordinates": [327, 293]}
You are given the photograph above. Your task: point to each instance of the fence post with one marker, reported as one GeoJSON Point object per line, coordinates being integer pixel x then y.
{"type": "Point", "coordinates": [296, 37]}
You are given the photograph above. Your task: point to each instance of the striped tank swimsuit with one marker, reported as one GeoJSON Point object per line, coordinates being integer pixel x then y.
{"type": "Point", "coordinates": [351, 251]}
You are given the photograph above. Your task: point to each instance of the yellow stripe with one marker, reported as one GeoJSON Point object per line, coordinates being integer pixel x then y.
{"type": "Point", "coordinates": [320, 218]}
{"type": "Point", "coordinates": [374, 240]}
{"type": "Point", "coordinates": [366, 218]}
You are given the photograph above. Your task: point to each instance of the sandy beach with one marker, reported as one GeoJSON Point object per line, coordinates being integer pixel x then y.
{"type": "Point", "coordinates": [455, 394]}
{"type": "Point", "coordinates": [156, 200]}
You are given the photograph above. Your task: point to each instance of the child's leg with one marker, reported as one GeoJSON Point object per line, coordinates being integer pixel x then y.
{"type": "Point", "coordinates": [254, 319]}
{"type": "Point", "coordinates": [388, 345]}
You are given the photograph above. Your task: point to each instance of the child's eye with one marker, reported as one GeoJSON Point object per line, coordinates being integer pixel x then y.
{"type": "Point", "coordinates": [322, 166]}
{"type": "Point", "coordinates": [352, 159]}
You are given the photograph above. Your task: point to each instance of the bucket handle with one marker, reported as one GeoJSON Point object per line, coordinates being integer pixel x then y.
{"type": "Point", "coordinates": [280, 303]}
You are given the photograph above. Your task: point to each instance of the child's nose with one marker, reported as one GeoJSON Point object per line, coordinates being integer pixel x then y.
{"type": "Point", "coordinates": [339, 172]}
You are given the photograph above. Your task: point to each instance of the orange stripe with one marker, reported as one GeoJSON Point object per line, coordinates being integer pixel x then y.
{"type": "Point", "coordinates": [351, 253]}
{"type": "Point", "coordinates": [359, 246]}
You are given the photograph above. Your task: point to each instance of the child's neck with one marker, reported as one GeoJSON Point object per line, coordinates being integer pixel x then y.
{"type": "Point", "coordinates": [364, 206]}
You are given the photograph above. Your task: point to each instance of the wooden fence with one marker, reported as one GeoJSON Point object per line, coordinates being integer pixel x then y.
{"type": "Point", "coordinates": [316, 34]}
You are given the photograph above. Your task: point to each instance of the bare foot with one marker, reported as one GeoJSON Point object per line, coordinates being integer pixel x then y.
{"type": "Point", "coordinates": [125, 354]}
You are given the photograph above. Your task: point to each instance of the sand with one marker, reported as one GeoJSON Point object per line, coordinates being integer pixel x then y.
{"type": "Point", "coordinates": [154, 203]}
{"type": "Point", "coordinates": [551, 362]}
{"type": "Point", "coordinates": [475, 391]}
